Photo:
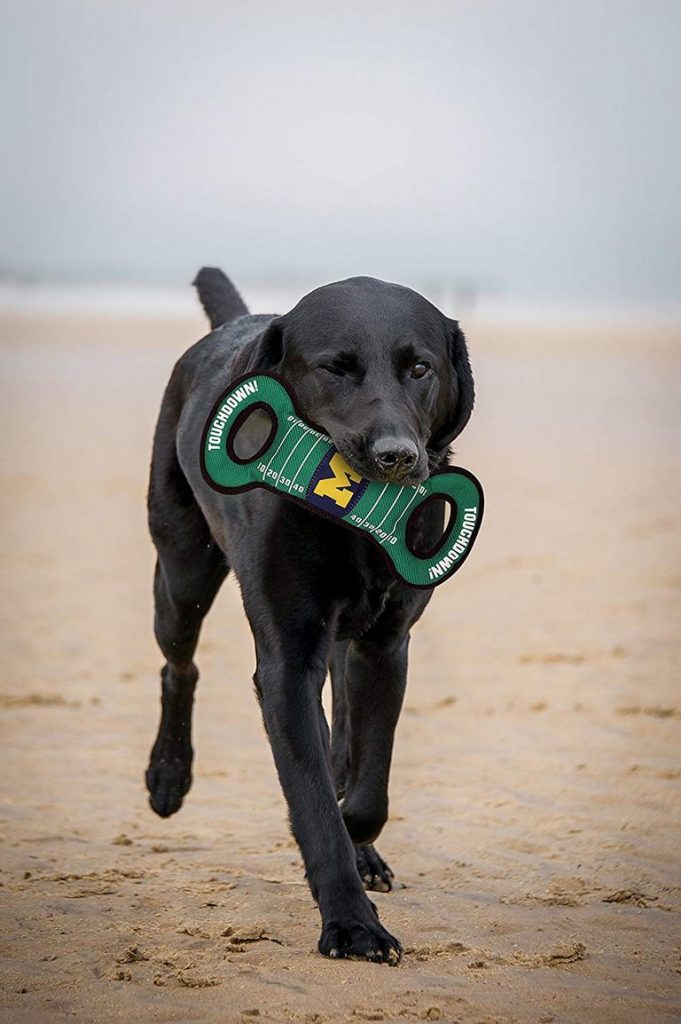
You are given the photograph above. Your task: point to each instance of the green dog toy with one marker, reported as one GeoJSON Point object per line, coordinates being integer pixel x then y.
{"type": "Point", "coordinates": [302, 463]}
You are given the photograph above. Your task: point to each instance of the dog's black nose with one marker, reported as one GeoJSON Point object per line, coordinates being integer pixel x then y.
{"type": "Point", "coordinates": [395, 455]}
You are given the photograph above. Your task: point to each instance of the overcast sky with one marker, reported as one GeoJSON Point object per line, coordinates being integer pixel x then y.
{"type": "Point", "coordinates": [529, 147]}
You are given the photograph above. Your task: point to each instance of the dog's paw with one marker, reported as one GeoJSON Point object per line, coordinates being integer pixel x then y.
{"type": "Point", "coordinates": [375, 873]}
{"type": "Point", "coordinates": [168, 780]}
{"type": "Point", "coordinates": [360, 940]}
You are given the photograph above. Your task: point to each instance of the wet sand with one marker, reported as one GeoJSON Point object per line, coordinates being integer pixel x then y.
{"type": "Point", "coordinates": [535, 805]}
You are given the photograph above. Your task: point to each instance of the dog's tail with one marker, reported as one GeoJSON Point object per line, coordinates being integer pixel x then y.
{"type": "Point", "coordinates": [219, 297]}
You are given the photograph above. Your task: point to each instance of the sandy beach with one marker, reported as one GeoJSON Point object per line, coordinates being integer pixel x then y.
{"type": "Point", "coordinates": [535, 829]}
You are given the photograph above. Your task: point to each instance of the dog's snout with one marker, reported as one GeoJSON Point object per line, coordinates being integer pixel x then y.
{"type": "Point", "coordinates": [395, 455]}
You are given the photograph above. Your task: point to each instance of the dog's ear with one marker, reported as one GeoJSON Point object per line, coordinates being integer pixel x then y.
{"type": "Point", "coordinates": [263, 353]}
{"type": "Point", "coordinates": [457, 396]}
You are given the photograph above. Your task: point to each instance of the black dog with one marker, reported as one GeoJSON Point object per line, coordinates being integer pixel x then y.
{"type": "Point", "coordinates": [387, 376]}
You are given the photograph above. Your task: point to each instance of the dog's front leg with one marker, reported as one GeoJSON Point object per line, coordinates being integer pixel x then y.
{"type": "Point", "coordinates": [292, 650]}
{"type": "Point", "coordinates": [374, 681]}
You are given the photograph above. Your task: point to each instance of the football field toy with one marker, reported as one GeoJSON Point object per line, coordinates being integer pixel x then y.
{"type": "Point", "coordinates": [300, 462]}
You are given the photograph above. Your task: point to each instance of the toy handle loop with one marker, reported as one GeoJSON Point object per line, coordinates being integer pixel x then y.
{"type": "Point", "coordinates": [462, 493]}
{"type": "Point", "coordinates": [236, 426]}
{"type": "Point", "coordinates": [259, 392]}
{"type": "Point", "coordinates": [442, 543]}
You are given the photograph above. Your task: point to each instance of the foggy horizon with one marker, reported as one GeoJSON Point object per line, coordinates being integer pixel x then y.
{"type": "Point", "coordinates": [520, 150]}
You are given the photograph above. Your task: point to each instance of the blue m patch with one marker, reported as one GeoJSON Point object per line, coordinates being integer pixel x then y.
{"type": "Point", "coordinates": [335, 486]}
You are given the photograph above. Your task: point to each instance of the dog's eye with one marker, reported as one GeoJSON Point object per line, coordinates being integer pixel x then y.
{"type": "Point", "coordinates": [419, 370]}
{"type": "Point", "coordinates": [340, 365]}
{"type": "Point", "coordinates": [337, 371]}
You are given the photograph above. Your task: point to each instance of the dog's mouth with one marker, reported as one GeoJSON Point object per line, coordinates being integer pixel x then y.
{"type": "Point", "coordinates": [370, 470]}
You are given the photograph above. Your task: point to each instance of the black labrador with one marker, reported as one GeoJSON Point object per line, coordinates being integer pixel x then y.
{"type": "Point", "coordinates": [387, 376]}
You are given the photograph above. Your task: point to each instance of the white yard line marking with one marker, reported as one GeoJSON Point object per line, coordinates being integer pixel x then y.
{"type": "Point", "coordinates": [373, 506]}
{"type": "Point", "coordinates": [397, 498]}
{"type": "Point", "coordinates": [290, 454]}
{"type": "Point", "coordinates": [303, 462]}
{"type": "Point", "coordinates": [404, 510]}
{"type": "Point", "coordinates": [278, 447]}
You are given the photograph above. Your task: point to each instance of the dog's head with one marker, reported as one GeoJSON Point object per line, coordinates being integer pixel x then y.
{"type": "Point", "coordinates": [382, 371]}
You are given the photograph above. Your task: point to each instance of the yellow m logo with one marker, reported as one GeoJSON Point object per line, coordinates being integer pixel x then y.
{"type": "Point", "coordinates": [338, 487]}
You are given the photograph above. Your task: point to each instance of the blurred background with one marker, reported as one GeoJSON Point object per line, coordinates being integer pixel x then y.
{"type": "Point", "coordinates": [517, 161]}
{"type": "Point", "coordinates": [504, 157]}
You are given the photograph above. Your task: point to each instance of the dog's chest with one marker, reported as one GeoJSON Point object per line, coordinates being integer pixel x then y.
{"type": "Point", "coordinates": [368, 586]}
{"type": "Point", "coordinates": [342, 573]}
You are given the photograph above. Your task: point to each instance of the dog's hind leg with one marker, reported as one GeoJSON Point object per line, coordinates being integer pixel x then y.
{"type": "Point", "coordinates": [180, 607]}
{"type": "Point", "coordinates": [189, 571]}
